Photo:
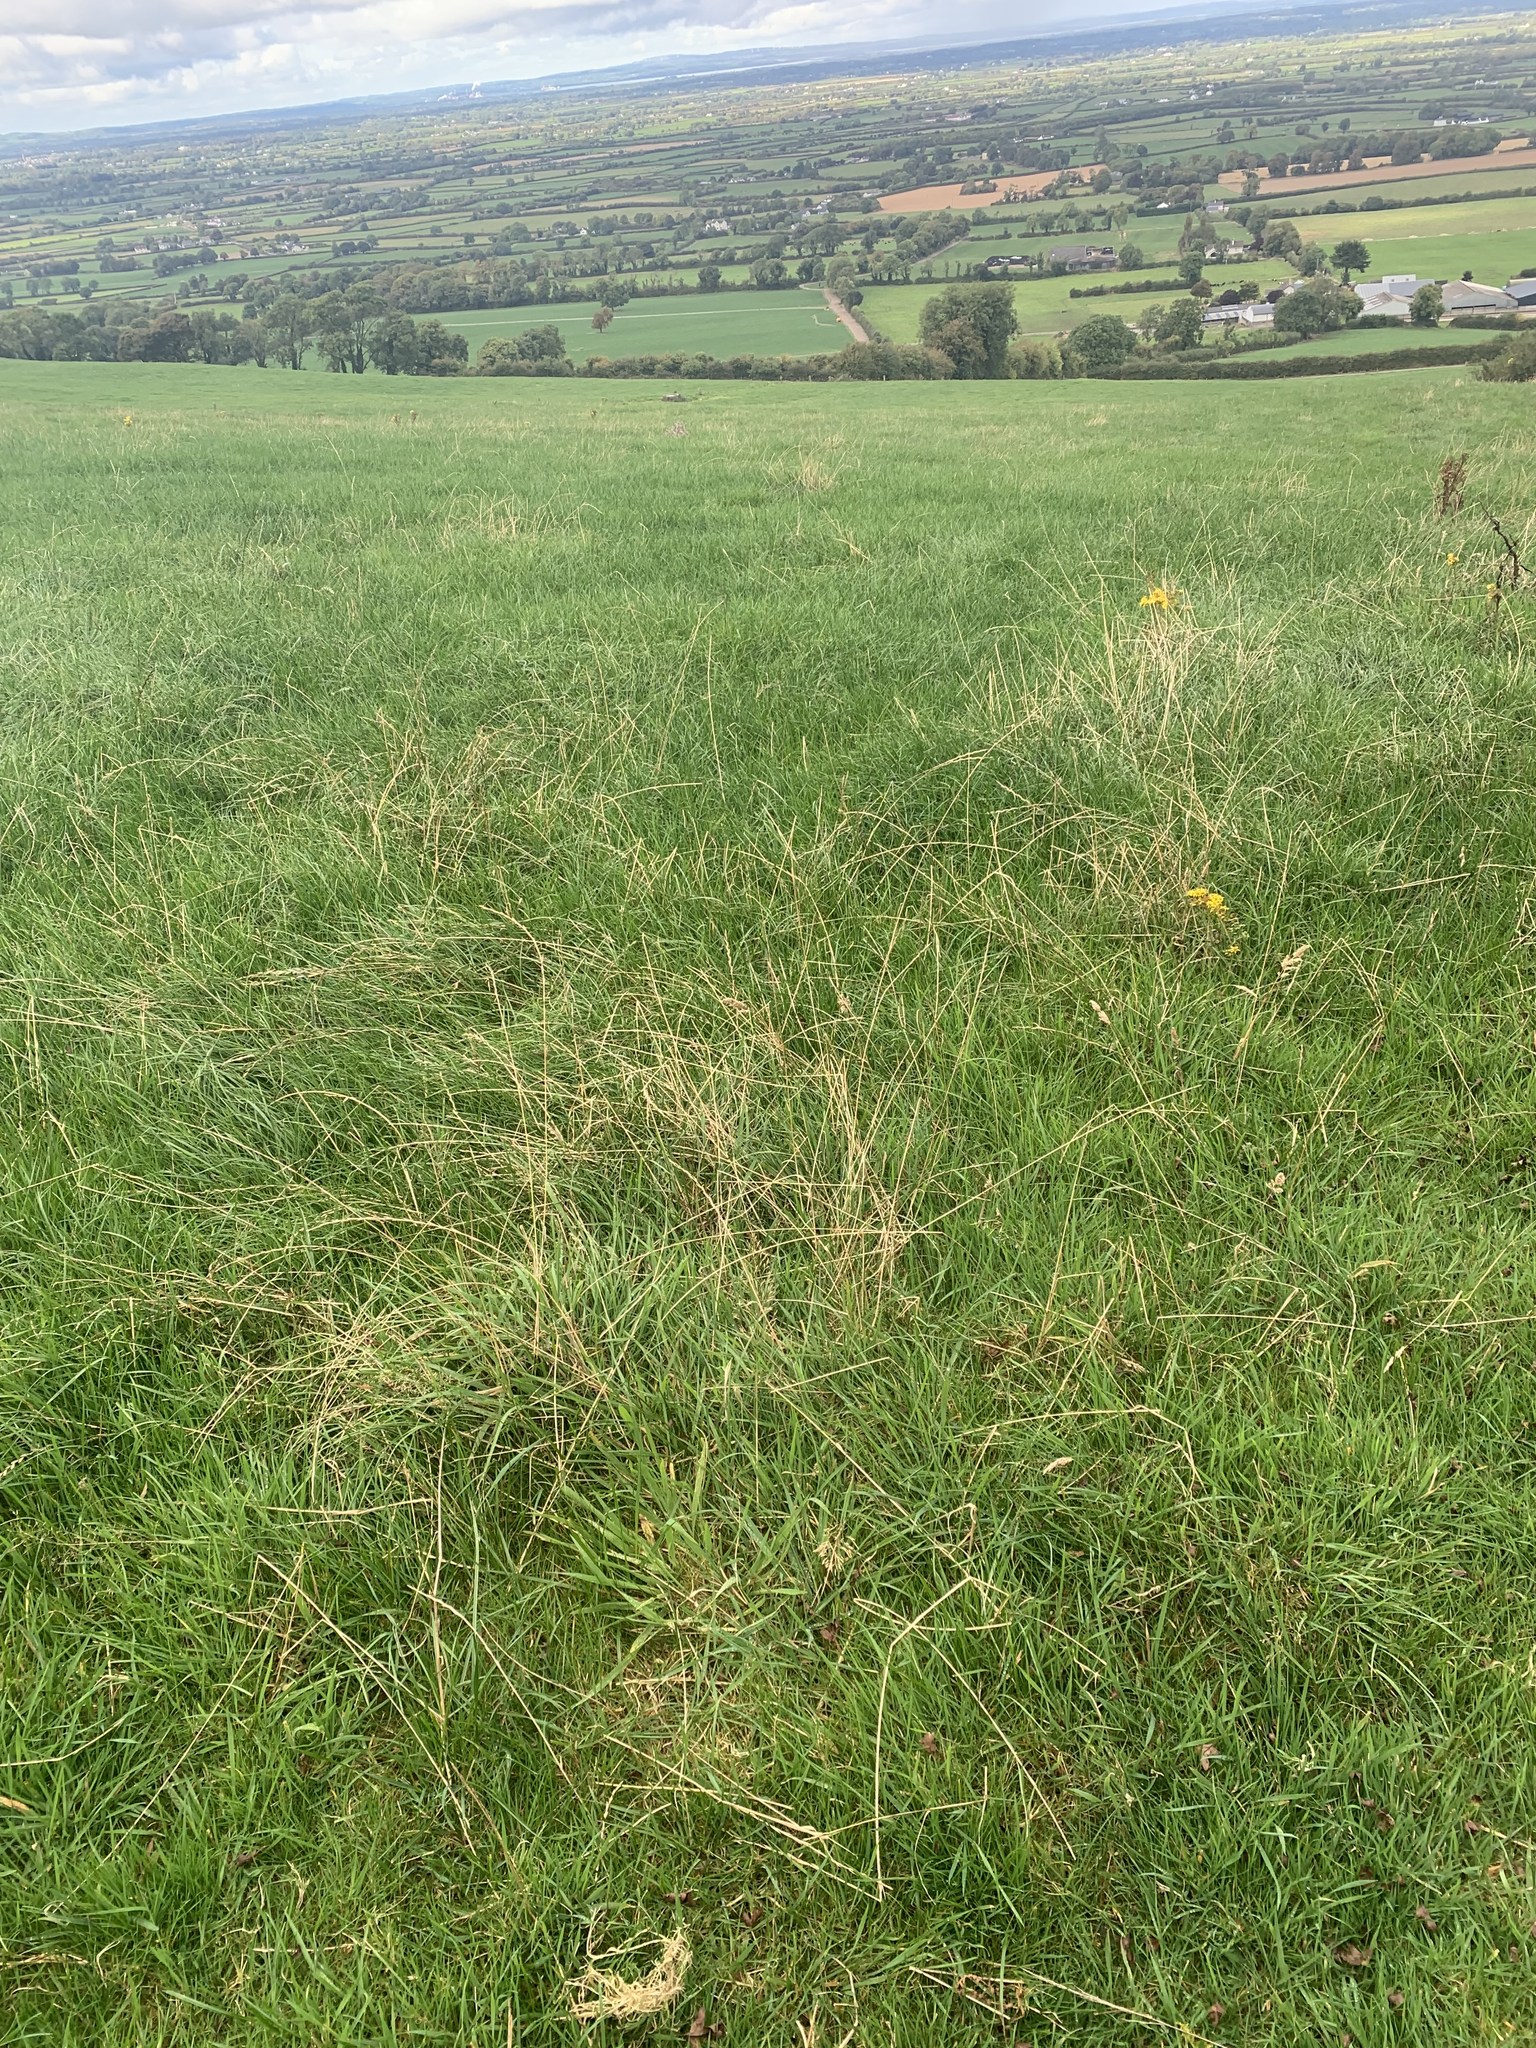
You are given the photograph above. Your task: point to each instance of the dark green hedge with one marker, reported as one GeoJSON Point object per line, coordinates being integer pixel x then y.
{"type": "Point", "coordinates": [1152, 368]}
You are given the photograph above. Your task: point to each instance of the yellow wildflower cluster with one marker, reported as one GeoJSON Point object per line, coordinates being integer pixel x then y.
{"type": "Point", "coordinates": [127, 419]}
{"type": "Point", "coordinates": [1158, 598]}
{"type": "Point", "coordinates": [1211, 900]}
{"type": "Point", "coordinates": [1451, 560]}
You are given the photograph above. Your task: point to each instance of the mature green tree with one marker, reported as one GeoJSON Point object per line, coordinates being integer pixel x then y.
{"type": "Point", "coordinates": [1191, 267]}
{"type": "Point", "coordinates": [602, 319]}
{"type": "Point", "coordinates": [842, 276]}
{"type": "Point", "coordinates": [394, 345]}
{"type": "Point", "coordinates": [972, 324]}
{"type": "Point", "coordinates": [1282, 238]}
{"type": "Point", "coordinates": [1180, 326]}
{"type": "Point", "coordinates": [1033, 357]}
{"type": "Point", "coordinates": [1100, 343]}
{"type": "Point", "coordinates": [332, 332]}
{"type": "Point", "coordinates": [168, 338]}
{"type": "Point", "coordinates": [709, 277]}
{"type": "Point", "coordinates": [1318, 307]}
{"type": "Point", "coordinates": [537, 350]}
{"type": "Point", "coordinates": [289, 322]}
{"type": "Point", "coordinates": [1132, 256]}
{"type": "Point", "coordinates": [769, 272]}
{"type": "Point", "coordinates": [440, 352]}
{"type": "Point", "coordinates": [1426, 306]}
{"type": "Point", "coordinates": [1350, 254]}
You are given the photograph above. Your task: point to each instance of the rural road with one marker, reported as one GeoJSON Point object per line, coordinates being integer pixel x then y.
{"type": "Point", "coordinates": [836, 305]}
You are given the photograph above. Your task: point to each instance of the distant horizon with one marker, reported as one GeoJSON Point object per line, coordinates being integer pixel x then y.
{"type": "Point", "coordinates": [104, 66]}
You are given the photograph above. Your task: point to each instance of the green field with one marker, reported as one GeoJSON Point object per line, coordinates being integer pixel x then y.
{"type": "Point", "coordinates": [787, 323]}
{"type": "Point", "coordinates": [1492, 259]}
{"type": "Point", "coordinates": [667, 1273]}
{"type": "Point", "coordinates": [1352, 341]}
{"type": "Point", "coordinates": [1046, 305]}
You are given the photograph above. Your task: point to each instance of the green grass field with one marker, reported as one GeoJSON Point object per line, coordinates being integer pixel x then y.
{"type": "Point", "coordinates": [1356, 341]}
{"type": "Point", "coordinates": [787, 323]}
{"type": "Point", "coordinates": [1046, 306]}
{"type": "Point", "coordinates": [669, 1279]}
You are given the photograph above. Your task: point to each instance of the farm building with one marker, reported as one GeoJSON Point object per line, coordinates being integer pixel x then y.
{"type": "Point", "coordinates": [1074, 257]}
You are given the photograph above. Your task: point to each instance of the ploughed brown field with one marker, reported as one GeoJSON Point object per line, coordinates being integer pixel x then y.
{"type": "Point", "coordinates": [1379, 171]}
{"type": "Point", "coordinates": [934, 198]}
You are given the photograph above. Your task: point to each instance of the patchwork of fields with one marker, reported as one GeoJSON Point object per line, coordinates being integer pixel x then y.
{"type": "Point", "coordinates": [767, 1204]}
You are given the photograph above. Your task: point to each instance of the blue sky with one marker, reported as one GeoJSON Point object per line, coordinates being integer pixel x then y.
{"type": "Point", "coordinates": [88, 63]}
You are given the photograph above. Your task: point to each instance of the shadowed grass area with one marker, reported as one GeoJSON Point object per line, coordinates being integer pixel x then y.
{"type": "Point", "coordinates": [661, 1276]}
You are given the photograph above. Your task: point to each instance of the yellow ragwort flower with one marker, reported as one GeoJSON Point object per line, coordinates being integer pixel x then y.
{"type": "Point", "coordinates": [1157, 597]}
{"type": "Point", "coordinates": [127, 419]}
{"type": "Point", "coordinates": [1209, 899]}
{"type": "Point", "coordinates": [1451, 561]}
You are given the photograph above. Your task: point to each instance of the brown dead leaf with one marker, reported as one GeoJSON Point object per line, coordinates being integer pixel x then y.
{"type": "Point", "coordinates": [244, 1859]}
{"type": "Point", "coordinates": [1209, 1754]}
{"type": "Point", "coordinates": [680, 1898]}
{"type": "Point", "coordinates": [1395, 1999]}
{"type": "Point", "coordinates": [1215, 2014]}
{"type": "Point", "coordinates": [1426, 1919]}
{"type": "Point", "coordinates": [699, 2028]}
{"type": "Point", "coordinates": [1056, 1465]}
{"type": "Point", "coordinates": [829, 1635]}
{"type": "Point", "coordinates": [14, 1806]}
{"type": "Point", "coordinates": [1353, 1955]}
{"type": "Point", "coordinates": [928, 1744]}
{"type": "Point", "coordinates": [751, 1916]}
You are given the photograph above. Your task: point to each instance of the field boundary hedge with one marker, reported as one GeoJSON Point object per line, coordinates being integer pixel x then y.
{"type": "Point", "coordinates": [1153, 368]}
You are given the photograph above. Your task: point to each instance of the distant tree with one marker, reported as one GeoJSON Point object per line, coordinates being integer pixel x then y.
{"type": "Point", "coordinates": [289, 322]}
{"type": "Point", "coordinates": [1032, 357]}
{"type": "Point", "coordinates": [1191, 267]}
{"type": "Point", "coordinates": [1426, 306]}
{"type": "Point", "coordinates": [168, 338]}
{"type": "Point", "coordinates": [440, 352]}
{"type": "Point", "coordinates": [1099, 343]}
{"type": "Point", "coordinates": [602, 319]}
{"type": "Point", "coordinates": [1318, 307]}
{"type": "Point", "coordinates": [615, 293]}
{"type": "Point", "coordinates": [1132, 256]}
{"type": "Point", "coordinates": [1282, 238]}
{"type": "Point", "coordinates": [332, 332]}
{"type": "Point", "coordinates": [394, 345]}
{"type": "Point", "coordinates": [841, 277]}
{"type": "Point", "coordinates": [1350, 254]}
{"type": "Point", "coordinates": [1250, 184]}
{"type": "Point", "coordinates": [1312, 261]}
{"type": "Point", "coordinates": [769, 273]}
{"type": "Point", "coordinates": [537, 351]}
{"type": "Point", "coordinates": [972, 324]}
{"type": "Point", "coordinates": [1181, 325]}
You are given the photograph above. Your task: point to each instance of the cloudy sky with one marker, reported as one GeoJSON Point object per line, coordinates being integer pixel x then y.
{"type": "Point", "coordinates": [89, 63]}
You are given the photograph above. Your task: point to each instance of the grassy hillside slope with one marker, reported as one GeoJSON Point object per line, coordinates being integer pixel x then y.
{"type": "Point", "coordinates": [665, 1269]}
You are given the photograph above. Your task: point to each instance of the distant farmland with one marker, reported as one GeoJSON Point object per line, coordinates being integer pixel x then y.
{"type": "Point", "coordinates": [790, 323]}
